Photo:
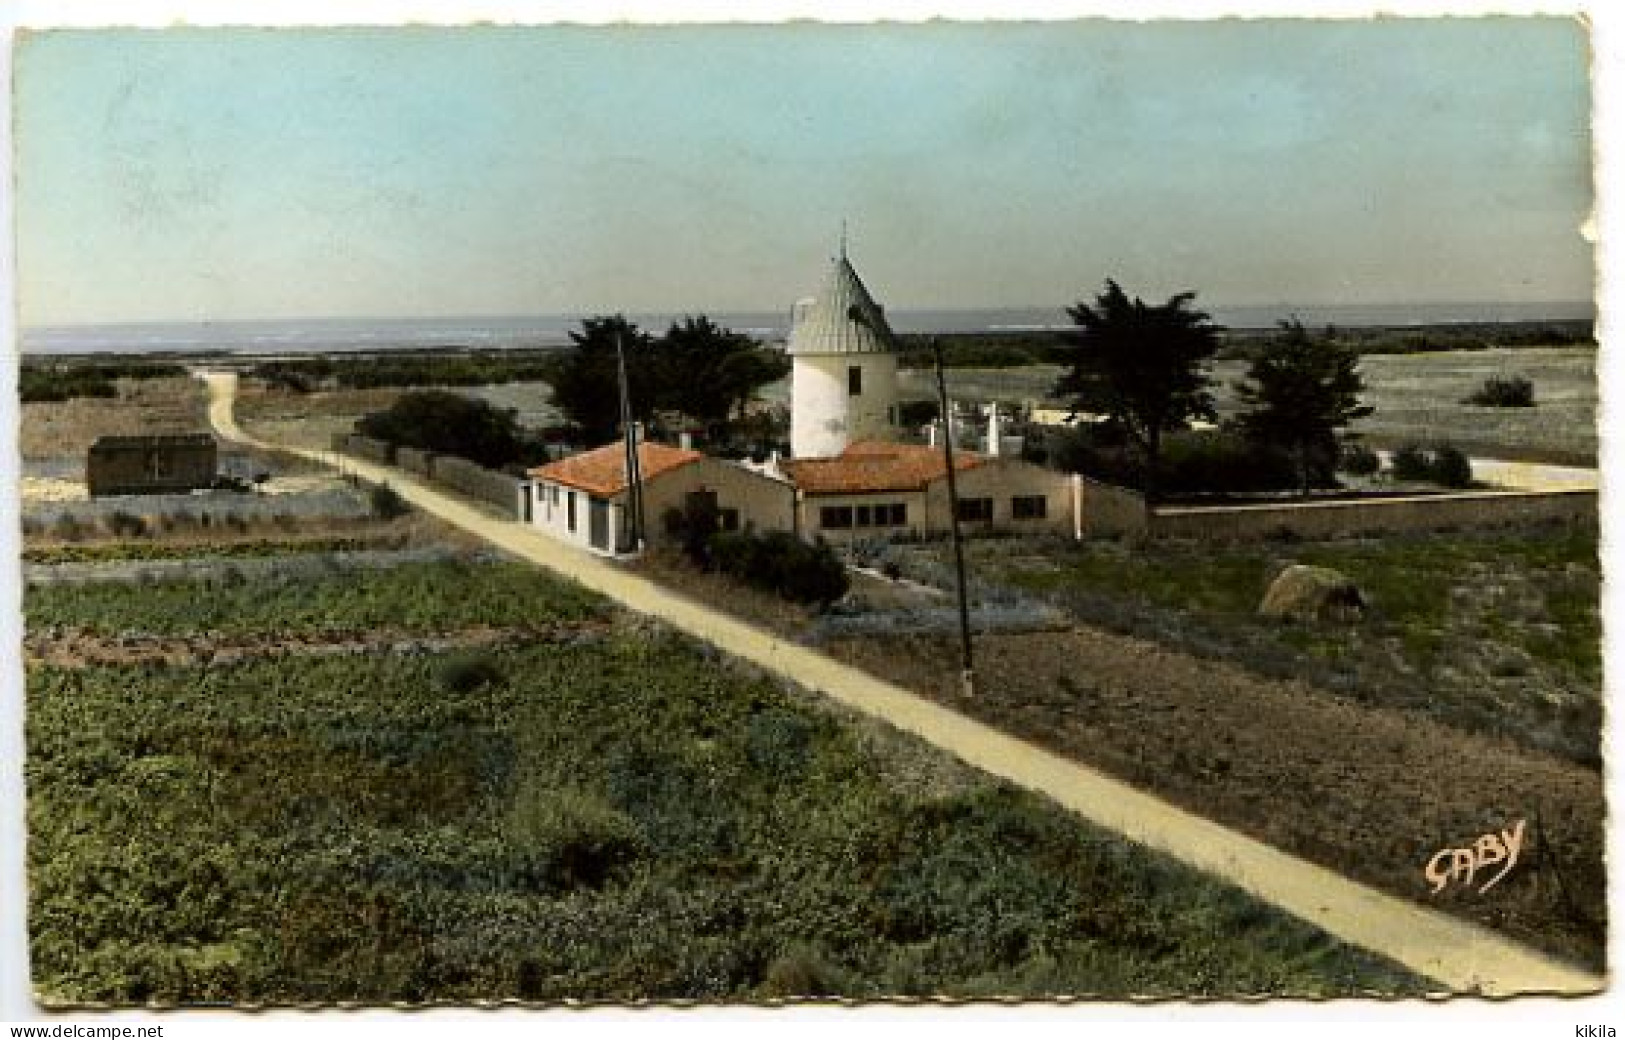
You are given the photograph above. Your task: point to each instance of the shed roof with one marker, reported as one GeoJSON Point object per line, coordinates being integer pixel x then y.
{"type": "Point", "coordinates": [871, 466]}
{"type": "Point", "coordinates": [602, 471]}
{"type": "Point", "coordinates": [842, 319]}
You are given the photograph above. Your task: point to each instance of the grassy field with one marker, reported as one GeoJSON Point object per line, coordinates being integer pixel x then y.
{"type": "Point", "coordinates": [1495, 632]}
{"type": "Point", "coordinates": [609, 816]}
{"type": "Point", "coordinates": [1415, 397]}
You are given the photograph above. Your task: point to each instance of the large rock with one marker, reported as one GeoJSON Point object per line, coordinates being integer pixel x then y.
{"type": "Point", "coordinates": [1313, 594]}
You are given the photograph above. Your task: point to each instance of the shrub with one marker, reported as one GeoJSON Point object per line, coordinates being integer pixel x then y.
{"type": "Point", "coordinates": [125, 525]}
{"type": "Point", "coordinates": [387, 503]}
{"type": "Point", "coordinates": [780, 562]}
{"type": "Point", "coordinates": [1220, 462]}
{"type": "Point", "coordinates": [1193, 461]}
{"type": "Point", "coordinates": [1445, 465]}
{"type": "Point", "coordinates": [450, 424]}
{"type": "Point", "coordinates": [914, 414]}
{"type": "Point", "coordinates": [574, 838]}
{"type": "Point", "coordinates": [800, 972]}
{"type": "Point", "coordinates": [1410, 462]}
{"type": "Point", "coordinates": [469, 673]}
{"type": "Point", "coordinates": [1452, 468]}
{"type": "Point", "coordinates": [1516, 392]}
{"type": "Point", "coordinates": [1359, 460]}
{"type": "Point", "coordinates": [66, 528]}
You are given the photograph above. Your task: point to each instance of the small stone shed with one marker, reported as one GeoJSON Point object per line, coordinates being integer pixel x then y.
{"type": "Point", "coordinates": [151, 464]}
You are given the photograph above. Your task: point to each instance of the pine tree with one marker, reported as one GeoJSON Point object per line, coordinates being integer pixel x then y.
{"type": "Point", "coordinates": [1141, 366]}
{"type": "Point", "coordinates": [1301, 390]}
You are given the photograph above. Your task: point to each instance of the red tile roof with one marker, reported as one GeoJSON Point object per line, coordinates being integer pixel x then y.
{"type": "Point", "coordinates": [867, 466]}
{"type": "Point", "coordinates": [602, 471]}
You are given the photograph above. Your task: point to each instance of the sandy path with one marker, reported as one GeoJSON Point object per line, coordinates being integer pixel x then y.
{"type": "Point", "coordinates": [1460, 956]}
{"type": "Point", "coordinates": [1525, 476]}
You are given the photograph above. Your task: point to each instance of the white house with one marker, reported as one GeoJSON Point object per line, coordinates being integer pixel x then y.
{"type": "Point", "coordinates": [584, 500]}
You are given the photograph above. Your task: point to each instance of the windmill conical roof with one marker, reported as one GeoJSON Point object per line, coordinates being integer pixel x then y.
{"type": "Point", "coordinates": [842, 319]}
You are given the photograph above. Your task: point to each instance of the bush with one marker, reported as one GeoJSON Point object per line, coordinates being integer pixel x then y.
{"type": "Point", "coordinates": [64, 381]}
{"type": "Point", "coordinates": [125, 525]}
{"type": "Point", "coordinates": [387, 503]}
{"type": "Point", "coordinates": [782, 563]}
{"type": "Point", "coordinates": [573, 838]}
{"type": "Point", "coordinates": [1516, 392]}
{"type": "Point", "coordinates": [1446, 465]}
{"type": "Point", "coordinates": [1410, 462]}
{"type": "Point", "coordinates": [1359, 460]}
{"type": "Point", "coordinates": [467, 674]}
{"type": "Point", "coordinates": [66, 528]}
{"type": "Point", "coordinates": [914, 414]}
{"type": "Point", "coordinates": [1193, 462]}
{"type": "Point", "coordinates": [449, 424]}
{"type": "Point", "coordinates": [1452, 468]}
{"type": "Point", "coordinates": [801, 973]}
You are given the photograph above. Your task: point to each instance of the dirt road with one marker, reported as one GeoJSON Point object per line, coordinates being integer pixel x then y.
{"type": "Point", "coordinates": [1460, 956]}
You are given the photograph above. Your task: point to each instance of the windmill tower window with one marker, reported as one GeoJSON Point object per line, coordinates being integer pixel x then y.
{"type": "Point", "coordinates": [854, 380]}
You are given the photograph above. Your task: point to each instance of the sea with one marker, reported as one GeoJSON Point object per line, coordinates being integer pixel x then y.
{"type": "Point", "coordinates": [325, 335]}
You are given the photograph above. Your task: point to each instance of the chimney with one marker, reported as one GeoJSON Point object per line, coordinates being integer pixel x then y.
{"type": "Point", "coordinates": [993, 429]}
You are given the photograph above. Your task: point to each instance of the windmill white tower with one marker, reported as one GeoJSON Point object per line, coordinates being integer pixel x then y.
{"type": "Point", "coordinates": [843, 382]}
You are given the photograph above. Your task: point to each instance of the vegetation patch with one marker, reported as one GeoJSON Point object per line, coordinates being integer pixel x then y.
{"type": "Point", "coordinates": [119, 552]}
{"type": "Point", "coordinates": [64, 381]}
{"type": "Point", "coordinates": [625, 820]}
{"type": "Point", "coordinates": [423, 598]}
{"type": "Point", "coordinates": [1496, 632]}
{"type": "Point", "coordinates": [1515, 392]}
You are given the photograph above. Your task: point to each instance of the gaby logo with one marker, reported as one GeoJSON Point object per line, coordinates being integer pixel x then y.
{"type": "Point", "coordinates": [1489, 850]}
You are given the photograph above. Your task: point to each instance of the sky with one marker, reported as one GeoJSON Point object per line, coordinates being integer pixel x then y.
{"type": "Point", "coordinates": [195, 174]}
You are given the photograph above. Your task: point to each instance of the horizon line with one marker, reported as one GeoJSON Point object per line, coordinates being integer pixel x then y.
{"type": "Point", "coordinates": [1285, 306]}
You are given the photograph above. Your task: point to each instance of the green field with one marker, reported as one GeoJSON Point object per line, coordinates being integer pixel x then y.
{"type": "Point", "coordinates": [611, 817]}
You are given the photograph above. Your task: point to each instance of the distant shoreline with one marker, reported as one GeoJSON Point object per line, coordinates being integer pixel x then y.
{"type": "Point", "coordinates": [280, 336]}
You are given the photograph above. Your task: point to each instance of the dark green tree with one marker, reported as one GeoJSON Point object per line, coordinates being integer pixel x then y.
{"type": "Point", "coordinates": [449, 424]}
{"type": "Point", "coordinates": [710, 373]}
{"type": "Point", "coordinates": [1141, 366]}
{"type": "Point", "coordinates": [1299, 391]}
{"type": "Point", "coordinates": [586, 382]}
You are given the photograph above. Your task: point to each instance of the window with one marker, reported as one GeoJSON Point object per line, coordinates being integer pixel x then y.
{"type": "Point", "coordinates": [854, 380]}
{"type": "Point", "coordinates": [896, 514]}
{"type": "Point", "coordinates": [1029, 507]}
{"type": "Point", "coordinates": [570, 511]}
{"type": "Point", "coordinates": [729, 518]}
{"type": "Point", "coordinates": [863, 516]}
{"type": "Point", "coordinates": [974, 509]}
{"type": "Point", "coordinates": [835, 517]}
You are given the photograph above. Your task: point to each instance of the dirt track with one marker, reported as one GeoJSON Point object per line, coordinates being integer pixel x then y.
{"type": "Point", "coordinates": [1462, 957]}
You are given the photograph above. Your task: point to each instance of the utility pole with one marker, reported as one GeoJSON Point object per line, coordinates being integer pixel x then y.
{"type": "Point", "coordinates": [967, 671]}
{"type": "Point", "coordinates": [634, 476]}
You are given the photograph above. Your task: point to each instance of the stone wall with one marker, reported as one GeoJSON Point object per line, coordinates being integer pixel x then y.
{"type": "Point", "coordinates": [1350, 518]}
{"type": "Point", "coordinates": [381, 452]}
{"type": "Point", "coordinates": [1108, 510]}
{"type": "Point", "coordinates": [414, 460]}
{"type": "Point", "coordinates": [487, 485]}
